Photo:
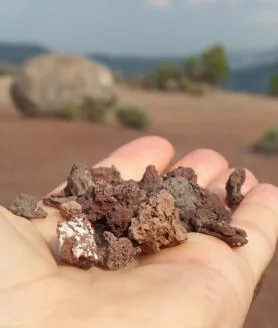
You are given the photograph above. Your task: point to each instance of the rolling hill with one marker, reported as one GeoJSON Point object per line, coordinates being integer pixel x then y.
{"type": "Point", "coordinates": [252, 80]}
{"type": "Point", "coordinates": [16, 53]}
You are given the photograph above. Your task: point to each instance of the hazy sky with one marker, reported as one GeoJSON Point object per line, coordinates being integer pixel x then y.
{"type": "Point", "coordinates": [140, 26]}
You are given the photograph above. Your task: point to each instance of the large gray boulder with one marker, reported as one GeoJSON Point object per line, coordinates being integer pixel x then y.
{"type": "Point", "coordinates": [45, 84]}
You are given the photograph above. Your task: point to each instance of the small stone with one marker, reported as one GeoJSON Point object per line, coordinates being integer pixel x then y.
{"type": "Point", "coordinates": [185, 196]}
{"type": "Point", "coordinates": [119, 252]}
{"type": "Point", "coordinates": [55, 200]}
{"type": "Point", "coordinates": [69, 209]}
{"type": "Point", "coordinates": [158, 224]}
{"type": "Point", "coordinates": [206, 222]}
{"type": "Point", "coordinates": [129, 194]}
{"type": "Point", "coordinates": [213, 203]}
{"type": "Point", "coordinates": [77, 245]}
{"type": "Point", "coordinates": [184, 172]}
{"type": "Point", "coordinates": [98, 201]}
{"type": "Point", "coordinates": [27, 206]}
{"type": "Point", "coordinates": [233, 187]}
{"type": "Point", "coordinates": [79, 180]}
{"type": "Point", "coordinates": [150, 179]}
{"type": "Point", "coordinates": [108, 174]}
{"type": "Point", "coordinates": [118, 219]}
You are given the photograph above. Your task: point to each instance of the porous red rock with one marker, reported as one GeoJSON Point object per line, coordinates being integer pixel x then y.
{"type": "Point", "coordinates": [158, 224]}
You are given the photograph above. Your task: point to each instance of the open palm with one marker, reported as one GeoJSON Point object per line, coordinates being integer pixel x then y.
{"type": "Point", "coordinates": [202, 283]}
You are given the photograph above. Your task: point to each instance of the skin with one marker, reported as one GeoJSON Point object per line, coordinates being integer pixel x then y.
{"type": "Point", "coordinates": [202, 283]}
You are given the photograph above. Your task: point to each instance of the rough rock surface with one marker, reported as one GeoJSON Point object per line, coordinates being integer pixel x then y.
{"type": "Point", "coordinates": [158, 224]}
{"type": "Point", "coordinates": [27, 206]}
{"type": "Point", "coordinates": [233, 187]}
{"type": "Point", "coordinates": [119, 252]}
{"type": "Point", "coordinates": [108, 221]}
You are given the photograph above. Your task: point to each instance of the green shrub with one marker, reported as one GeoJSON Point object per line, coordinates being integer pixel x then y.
{"type": "Point", "coordinates": [193, 68]}
{"type": "Point", "coordinates": [89, 110]}
{"type": "Point", "coordinates": [195, 89]}
{"type": "Point", "coordinates": [268, 143]}
{"type": "Point", "coordinates": [94, 111]}
{"type": "Point", "coordinates": [273, 88]}
{"type": "Point", "coordinates": [70, 111]}
{"type": "Point", "coordinates": [184, 84]}
{"type": "Point", "coordinates": [133, 117]}
{"type": "Point", "coordinates": [6, 70]}
{"type": "Point", "coordinates": [159, 79]}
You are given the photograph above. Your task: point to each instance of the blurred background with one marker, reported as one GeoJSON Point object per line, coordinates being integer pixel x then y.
{"type": "Point", "coordinates": [80, 78]}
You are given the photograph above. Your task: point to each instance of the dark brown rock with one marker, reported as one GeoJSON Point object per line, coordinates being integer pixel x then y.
{"type": "Point", "coordinates": [118, 219]}
{"type": "Point", "coordinates": [213, 203]}
{"type": "Point", "coordinates": [79, 181]}
{"type": "Point", "coordinates": [150, 179]}
{"type": "Point", "coordinates": [55, 200]}
{"type": "Point", "coordinates": [185, 196]}
{"type": "Point", "coordinates": [233, 187]}
{"type": "Point", "coordinates": [119, 252]}
{"type": "Point", "coordinates": [206, 222]}
{"type": "Point", "coordinates": [108, 174]}
{"type": "Point", "coordinates": [27, 206]}
{"type": "Point", "coordinates": [184, 172]}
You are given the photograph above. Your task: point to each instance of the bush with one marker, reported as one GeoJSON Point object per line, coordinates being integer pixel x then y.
{"type": "Point", "coordinates": [89, 110]}
{"type": "Point", "coordinates": [70, 112]}
{"type": "Point", "coordinates": [166, 72]}
{"type": "Point", "coordinates": [133, 117]}
{"type": "Point", "coordinates": [268, 143]}
{"type": "Point", "coordinates": [273, 88]}
{"type": "Point", "coordinates": [194, 88]}
{"type": "Point", "coordinates": [193, 69]}
{"type": "Point", "coordinates": [6, 70]}
{"type": "Point", "coordinates": [94, 112]}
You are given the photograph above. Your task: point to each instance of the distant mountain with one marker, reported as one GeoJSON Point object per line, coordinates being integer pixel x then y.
{"type": "Point", "coordinates": [251, 70]}
{"type": "Point", "coordinates": [131, 66]}
{"type": "Point", "coordinates": [16, 53]}
{"type": "Point", "coordinates": [136, 65]}
{"type": "Point", "coordinates": [247, 59]}
{"type": "Point", "coordinates": [253, 79]}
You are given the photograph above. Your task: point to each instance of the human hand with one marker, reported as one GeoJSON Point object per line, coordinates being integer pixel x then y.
{"type": "Point", "coordinates": [202, 283]}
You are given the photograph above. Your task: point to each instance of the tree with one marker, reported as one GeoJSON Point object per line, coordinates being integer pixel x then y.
{"type": "Point", "coordinates": [164, 74]}
{"type": "Point", "coordinates": [193, 68]}
{"type": "Point", "coordinates": [273, 88]}
{"type": "Point", "coordinates": [215, 64]}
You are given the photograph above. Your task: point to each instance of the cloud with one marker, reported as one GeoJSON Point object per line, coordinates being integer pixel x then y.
{"type": "Point", "coordinates": [199, 3]}
{"type": "Point", "coordinates": [168, 3]}
{"type": "Point", "coordinates": [208, 2]}
{"type": "Point", "coordinates": [160, 3]}
{"type": "Point", "coordinates": [265, 17]}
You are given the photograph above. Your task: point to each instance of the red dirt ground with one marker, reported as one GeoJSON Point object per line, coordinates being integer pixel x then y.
{"type": "Point", "coordinates": [37, 154]}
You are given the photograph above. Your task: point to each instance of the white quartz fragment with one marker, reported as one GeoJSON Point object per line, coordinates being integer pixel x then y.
{"type": "Point", "coordinates": [77, 245]}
